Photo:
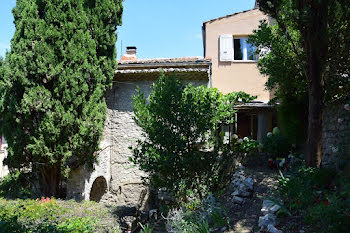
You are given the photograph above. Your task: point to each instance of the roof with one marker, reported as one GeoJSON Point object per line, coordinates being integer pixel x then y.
{"type": "Point", "coordinates": [127, 57]}
{"type": "Point", "coordinates": [167, 60]}
{"type": "Point", "coordinates": [185, 67]}
{"type": "Point", "coordinates": [227, 16]}
{"type": "Point", "coordinates": [254, 105]}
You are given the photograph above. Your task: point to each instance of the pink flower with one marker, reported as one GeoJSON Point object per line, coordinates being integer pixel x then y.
{"type": "Point", "coordinates": [44, 200]}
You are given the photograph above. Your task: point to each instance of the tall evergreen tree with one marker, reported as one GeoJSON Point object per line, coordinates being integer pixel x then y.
{"type": "Point", "coordinates": [62, 60]}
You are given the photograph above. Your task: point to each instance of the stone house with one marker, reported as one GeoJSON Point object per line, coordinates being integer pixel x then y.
{"type": "Point", "coordinates": [115, 179]}
{"type": "Point", "coordinates": [234, 68]}
{"type": "Point", "coordinates": [3, 153]}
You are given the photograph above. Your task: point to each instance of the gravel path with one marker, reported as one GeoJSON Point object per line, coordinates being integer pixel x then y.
{"type": "Point", "coordinates": [244, 218]}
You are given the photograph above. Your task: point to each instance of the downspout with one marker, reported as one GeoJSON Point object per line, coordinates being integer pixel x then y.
{"type": "Point", "coordinates": [204, 39]}
{"type": "Point", "coordinates": [210, 75]}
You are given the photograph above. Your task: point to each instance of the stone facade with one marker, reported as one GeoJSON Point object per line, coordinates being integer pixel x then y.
{"type": "Point", "coordinates": [121, 177]}
{"type": "Point", "coordinates": [3, 154]}
{"type": "Point", "coordinates": [336, 134]}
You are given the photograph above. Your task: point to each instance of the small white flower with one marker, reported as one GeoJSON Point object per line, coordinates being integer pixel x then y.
{"type": "Point", "coordinates": [235, 136]}
{"type": "Point", "coordinates": [240, 141]}
{"type": "Point", "coordinates": [340, 120]}
{"type": "Point", "coordinates": [334, 149]}
{"type": "Point", "coordinates": [245, 139]}
{"type": "Point", "coordinates": [269, 134]}
{"type": "Point", "coordinates": [347, 107]}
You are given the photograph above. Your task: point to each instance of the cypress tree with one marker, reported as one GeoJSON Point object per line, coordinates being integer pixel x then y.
{"type": "Point", "coordinates": [62, 60]}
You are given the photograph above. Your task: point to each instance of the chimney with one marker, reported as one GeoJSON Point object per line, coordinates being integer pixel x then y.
{"type": "Point", "coordinates": [256, 4]}
{"type": "Point", "coordinates": [130, 54]}
{"type": "Point", "coordinates": [131, 50]}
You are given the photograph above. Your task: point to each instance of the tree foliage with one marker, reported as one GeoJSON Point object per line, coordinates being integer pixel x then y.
{"type": "Point", "coordinates": [313, 37]}
{"type": "Point", "coordinates": [180, 124]}
{"type": "Point", "coordinates": [285, 77]}
{"type": "Point", "coordinates": [52, 104]}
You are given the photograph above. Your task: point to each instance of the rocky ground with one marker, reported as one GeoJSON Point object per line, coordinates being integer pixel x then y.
{"type": "Point", "coordinates": [243, 199]}
{"type": "Point", "coordinates": [244, 217]}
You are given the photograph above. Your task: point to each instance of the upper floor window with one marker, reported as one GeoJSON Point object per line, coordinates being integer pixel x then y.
{"type": "Point", "coordinates": [236, 49]}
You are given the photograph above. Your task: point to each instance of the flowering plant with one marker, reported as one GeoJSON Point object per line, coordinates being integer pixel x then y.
{"type": "Point", "coordinates": [276, 144]}
{"type": "Point", "coordinates": [45, 200]}
{"type": "Point", "coordinates": [246, 145]}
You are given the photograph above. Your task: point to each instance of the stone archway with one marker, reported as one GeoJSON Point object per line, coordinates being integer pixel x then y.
{"type": "Point", "coordinates": [99, 188]}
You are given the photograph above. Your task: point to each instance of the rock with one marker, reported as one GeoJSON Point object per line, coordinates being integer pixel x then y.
{"type": "Point", "coordinates": [128, 220]}
{"type": "Point", "coordinates": [270, 207]}
{"type": "Point", "coordinates": [275, 208]}
{"type": "Point", "coordinates": [241, 193]}
{"type": "Point", "coordinates": [237, 200]}
{"type": "Point", "coordinates": [272, 229]}
{"type": "Point", "coordinates": [250, 183]}
{"type": "Point", "coordinates": [153, 214]}
{"type": "Point", "coordinates": [268, 204]}
{"type": "Point", "coordinates": [240, 167]}
{"type": "Point", "coordinates": [268, 219]}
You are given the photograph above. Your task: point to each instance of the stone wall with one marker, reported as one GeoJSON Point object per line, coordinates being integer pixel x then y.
{"type": "Point", "coordinates": [336, 134]}
{"type": "Point", "coordinates": [3, 154]}
{"type": "Point", "coordinates": [123, 179]}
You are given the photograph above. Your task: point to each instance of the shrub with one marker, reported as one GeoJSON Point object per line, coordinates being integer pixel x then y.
{"type": "Point", "coordinates": [276, 144]}
{"type": "Point", "coordinates": [49, 215]}
{"type": "Point", "coordinates": [180, 124]}
{"type": "Point", "coordinates": [207, 216]}
{"type": "Point", "coordinates": [245, 145]}
{"type": "Point", "coordinates": [320, 196]}
{"type": "Point", "coordinates": [16, 185]}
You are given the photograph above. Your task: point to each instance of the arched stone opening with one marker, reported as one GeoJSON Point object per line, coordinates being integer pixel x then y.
{"type": "Point", "coordinates": [99, 188]}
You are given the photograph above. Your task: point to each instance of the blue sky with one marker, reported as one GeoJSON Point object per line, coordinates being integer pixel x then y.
{"type": "Point", "coordinates": [158, 28]}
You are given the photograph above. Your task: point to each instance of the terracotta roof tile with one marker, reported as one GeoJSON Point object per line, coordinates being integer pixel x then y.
{"type": "Point", "coordinates": [126, 57]}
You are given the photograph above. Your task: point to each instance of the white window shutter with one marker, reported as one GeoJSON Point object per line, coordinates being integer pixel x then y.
{"type": "Point", "coordinates": [226, 48]}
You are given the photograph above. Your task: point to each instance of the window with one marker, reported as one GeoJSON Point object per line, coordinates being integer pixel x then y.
{"type": "Point", "coordinates": [236, 49]}
{"type": "Point", "coordinates": [244, 51]}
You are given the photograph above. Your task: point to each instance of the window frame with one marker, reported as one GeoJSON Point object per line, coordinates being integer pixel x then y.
{"type": "Point", "coordinates": [244, 50]}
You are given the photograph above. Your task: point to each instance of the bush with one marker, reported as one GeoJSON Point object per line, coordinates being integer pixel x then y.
{"type": "Point", "coordinates": [276, 145]}
{"type": "Point", "coordinates": [321, 196]}
{"type": "Point", "coordinates": [245, 145]}
{"type": "Point", "coordinates": [180, 123]}
{"type": "Point", "coordinates": [49, 215]}
{"type": "Point", "coordinates": [208, 216]}
{"type": "Point", "coordinates": [16, 185]}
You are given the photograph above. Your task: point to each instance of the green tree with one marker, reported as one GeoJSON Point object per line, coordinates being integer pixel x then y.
{"type": "Point", "coordinates": [52, 104]}
{"type": "Point", "coordinates": [179, 122]}
{"type": "Point", "coordinates": [285, 77]}
{"type": "Point", "coordinates": [317, 34]}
